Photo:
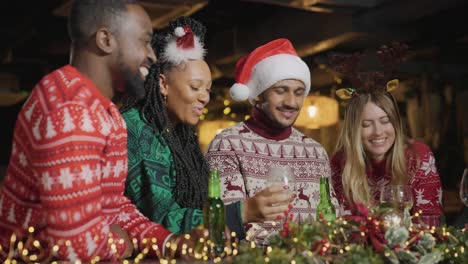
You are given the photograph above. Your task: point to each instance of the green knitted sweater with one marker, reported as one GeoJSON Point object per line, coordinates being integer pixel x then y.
{"type": "Point", "coordinates": [152, 177]}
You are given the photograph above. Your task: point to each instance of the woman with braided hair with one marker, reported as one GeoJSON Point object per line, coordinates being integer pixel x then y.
{"type": "Point", "coordinates": [373, 150]}
{"type": "Point", "coordinates": [168, 175]}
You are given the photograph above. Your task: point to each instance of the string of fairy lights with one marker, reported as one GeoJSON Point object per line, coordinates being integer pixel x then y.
{"type": "Point", "coordinates": [334, 242]}
{"type": "Point", "coordinates": [227, 110]}
{"type": "Point", "coordinates": [320, 239]}
{"type": "Point", "coordinates": [31, 250]}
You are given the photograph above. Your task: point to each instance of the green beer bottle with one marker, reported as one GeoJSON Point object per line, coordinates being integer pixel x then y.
{"type": "Point", "coordinates": [213, 214]}
{"type": "Point", "coordinates": [325, 206]}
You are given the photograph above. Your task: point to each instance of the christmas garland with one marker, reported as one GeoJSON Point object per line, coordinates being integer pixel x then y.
{"type": "Point", "coordinates": [374, 237]}
{"type": "Point", "coordinates": [380, 236]}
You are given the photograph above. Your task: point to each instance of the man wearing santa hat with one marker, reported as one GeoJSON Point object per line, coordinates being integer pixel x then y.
{"type": "Point", "coordinates": [276, 81]}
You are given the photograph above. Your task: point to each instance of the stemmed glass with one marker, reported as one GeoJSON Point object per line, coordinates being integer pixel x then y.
{"type": "Point", "coordinates": [398, 196]}
{"type": "Point", "coordinates": [464, 187]}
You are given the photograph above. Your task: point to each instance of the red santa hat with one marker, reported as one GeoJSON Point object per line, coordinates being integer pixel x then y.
{"type": "Point", "coordinates": [265, 66]}
{"type": "Point", "coordinates": [183, 45]}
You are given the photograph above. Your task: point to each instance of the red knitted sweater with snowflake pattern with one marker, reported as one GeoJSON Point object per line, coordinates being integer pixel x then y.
{"type": "Point", "coordinates": [67, 171]}
{"type": "Point", "coordinates": [421, 169]}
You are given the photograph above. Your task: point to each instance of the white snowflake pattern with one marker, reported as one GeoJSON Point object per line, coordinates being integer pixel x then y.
{"type": "Point", "coordinates": [87, 174]}
{"type": "Point", "coordinates": [217, 162]}
{"type": "Point", "coordinates": [429, 166]}
{"type": "Point", "coordinates": [77, 216]}
{"type": "Point", "coordinates": [119, 167]}
{"type": "Point", "coordinates": [106, 171]}
{"type": "Point", "coordinates": [124, 217]}
{"type": "Point", "coordinates": [66, 178]}
{"type": "Point", "coordinates": [47, 181]}
{"type": "Point", "coordinates": [63, 216]}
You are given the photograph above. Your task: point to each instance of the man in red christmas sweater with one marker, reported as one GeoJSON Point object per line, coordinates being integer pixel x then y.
{"type": "Point", "coordinates": [66, 174]}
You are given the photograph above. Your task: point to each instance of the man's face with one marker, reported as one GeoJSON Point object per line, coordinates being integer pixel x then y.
{"type": "Point", "coordinates": [135, 55]}
{"type": "Point", "coordinates": [282, 102]}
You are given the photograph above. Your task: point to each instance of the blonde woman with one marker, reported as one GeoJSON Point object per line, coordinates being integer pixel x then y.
{"type": "Point", "coordinates": [373, 151]}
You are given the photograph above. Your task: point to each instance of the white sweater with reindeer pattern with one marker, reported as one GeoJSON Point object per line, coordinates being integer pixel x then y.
{"type": "Point", "coordinates": [244, 153]}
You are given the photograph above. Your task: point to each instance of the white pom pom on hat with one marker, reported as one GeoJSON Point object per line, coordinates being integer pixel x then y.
{"type": "Point", "coordinates": [179, 31]}
{"type": "Point", "coordinates": [191, 47]}
{"type": "Point", "coordinates": [239, 92]}
{"type": "Point", "coordinates": [265, 66]}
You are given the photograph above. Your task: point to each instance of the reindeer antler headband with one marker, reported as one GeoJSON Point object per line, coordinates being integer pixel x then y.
{"type": "Point", "coordinates": [367, 82]}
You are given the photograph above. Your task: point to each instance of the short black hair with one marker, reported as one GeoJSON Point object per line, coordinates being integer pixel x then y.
{"type": "Point", "coordinates": [86, 16]}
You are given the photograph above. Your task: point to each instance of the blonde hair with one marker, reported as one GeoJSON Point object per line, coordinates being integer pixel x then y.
{"type": "Point", "coordinates": [354, 178]}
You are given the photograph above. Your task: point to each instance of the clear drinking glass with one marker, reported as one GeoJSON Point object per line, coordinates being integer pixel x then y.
{"type": "Point", "coordinates": [399, 197]}
{"type": "Point", "coordinates": [283, 176]}
{"type": "Point", "coordinates": [464, 187]}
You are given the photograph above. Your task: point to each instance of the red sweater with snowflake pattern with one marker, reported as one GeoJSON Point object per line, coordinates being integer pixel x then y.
{"type": "Point", "coordinates": [424, 179]}
{"type": "Point", "coordinates": [67, 171]}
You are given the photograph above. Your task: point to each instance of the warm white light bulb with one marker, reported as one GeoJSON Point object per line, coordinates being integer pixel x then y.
{"type": "Point", "coordinates": [312, 111]}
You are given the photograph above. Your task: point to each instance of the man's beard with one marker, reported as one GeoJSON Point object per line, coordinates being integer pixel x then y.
{"type": "Point", "coordinates": [133, 85]}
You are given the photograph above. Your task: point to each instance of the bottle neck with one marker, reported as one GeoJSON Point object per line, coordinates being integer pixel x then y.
{"type": "Point", "coordinates": [214, 190]}
{"type": "Point", "coordinates": [324, 189]}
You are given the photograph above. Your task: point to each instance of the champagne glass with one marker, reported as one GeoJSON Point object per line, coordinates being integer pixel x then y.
{"type": "Point", "coordinates": [398, 196]}
{"type": "Point", "coordinates": [464, 187]}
